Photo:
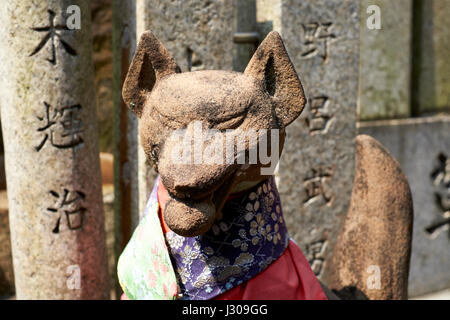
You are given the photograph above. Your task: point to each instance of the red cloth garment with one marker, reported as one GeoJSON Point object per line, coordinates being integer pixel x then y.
{"type": "Point", "coordinates": [288, 278]}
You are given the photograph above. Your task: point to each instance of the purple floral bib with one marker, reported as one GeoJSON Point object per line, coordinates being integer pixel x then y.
{"type": "Point", "coordinates": [250, 236]}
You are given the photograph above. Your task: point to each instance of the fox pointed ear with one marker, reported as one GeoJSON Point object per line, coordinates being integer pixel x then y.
{"type": "Point", "coordinates": [151, 62]}
{"type": "Point", "coordinates": [271, 65]}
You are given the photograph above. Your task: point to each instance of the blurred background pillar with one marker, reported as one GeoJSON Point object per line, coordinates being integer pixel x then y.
{"type": "Point", "coordinates": [125, 142]}
{"type": "Point", "coordinates": [431, 72]}
{"type": "Point", "coordinates": [385, 61]}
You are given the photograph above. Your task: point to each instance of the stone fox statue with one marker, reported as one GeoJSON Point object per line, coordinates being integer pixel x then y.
{"type": "Point", "coordinates": [213, 227]}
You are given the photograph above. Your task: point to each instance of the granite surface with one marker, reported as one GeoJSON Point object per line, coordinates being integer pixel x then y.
{"type": "Point", "coordinates": [52, 165]}
{"type": "Point", "coordinates": [316, 169]}
{"type": "Point", "coordinates": [385, 67]}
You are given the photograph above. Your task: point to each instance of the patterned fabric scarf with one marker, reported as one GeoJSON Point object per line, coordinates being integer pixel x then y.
{"type": "Point", "coordinates": [249, 237]}
{"type": "Point", "coordinates": [144, 268]}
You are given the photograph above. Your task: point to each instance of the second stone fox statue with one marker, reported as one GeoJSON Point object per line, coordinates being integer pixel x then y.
{"type": "Point", "coordinates": [214, 229]}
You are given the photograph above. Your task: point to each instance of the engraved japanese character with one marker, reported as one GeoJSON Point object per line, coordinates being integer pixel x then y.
{"type": "Point", "coordinates": [319, 117]}
{"type": "Point", "coordinates": [51, 35]}
{"type": "Point", "coordinates": [61, 127]}
{"type": "Point", "coordinates": [69, 205]}
{"type": "Point", "coordinates": [315, 184]}
{"type": "Point", "coordinates": [315, 254]}
{"type": "Point", "coordinates": [316, 40]}
{"type": "Point", "coordinates": [441, 182]}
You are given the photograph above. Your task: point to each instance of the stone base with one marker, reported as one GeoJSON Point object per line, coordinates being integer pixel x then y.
{"type": "Point", "coordinates": [440, 295]}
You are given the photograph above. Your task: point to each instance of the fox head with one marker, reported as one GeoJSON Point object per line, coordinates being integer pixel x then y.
{"type": "Point", "coordinates": [265, 98]}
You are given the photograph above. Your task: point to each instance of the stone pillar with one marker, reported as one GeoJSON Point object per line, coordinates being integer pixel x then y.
{"type": "Point", "coordinates": [431, 77]}
{"type": "Point", "coordinates": [52, 159]}
{"type": "Point", "coordinates": [385, 68]}
{"type": "Point", "coordinates": [246, 37]}
{"type": "Point", "coordinates": [101, 16]}
{"type": "Point", "coordinates": [317, 166]}
{"type": "Point", "coordinates": [126, 190]}
{"type": "Point", "coordinates": [268, 15]}
{"type": "Point", "coordinates": [199, 34]}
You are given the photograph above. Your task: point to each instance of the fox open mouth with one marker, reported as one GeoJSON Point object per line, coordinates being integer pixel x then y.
{"type": "Point", "coordinates": [191, 217]}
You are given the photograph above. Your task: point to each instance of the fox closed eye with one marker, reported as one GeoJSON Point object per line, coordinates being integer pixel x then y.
{"type": "Point", "coordinates": [232, 123]}
{"type": "Point", "coordinates": [169, 122]}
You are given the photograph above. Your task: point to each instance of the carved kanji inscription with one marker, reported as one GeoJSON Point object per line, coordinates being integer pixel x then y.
{"type": "Point", "coordinates": [316, 182]}
{"type": "Point", "coordinates": [53, 32]}
{"type": "Point", "coordinates": [69, 205]}
{"type": "Point", "coordinates": [315, 252]}
{"type": "Point", "coordinates": [319, 118]}
{"type": "Point", "coordinates": [316, 40]}
{"type": "Point", "coordinates": [61, 127]}
{"type": "Point", "coordinates": [441, 183]}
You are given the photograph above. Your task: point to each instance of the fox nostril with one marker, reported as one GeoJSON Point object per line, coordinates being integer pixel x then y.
{"type": "Point", "coordinates": [183, 195]}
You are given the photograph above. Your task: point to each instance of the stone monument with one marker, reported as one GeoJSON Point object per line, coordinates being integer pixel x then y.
{"type": "Point", "coordinates": [317, 168]}
{"type": "Point", "coordinates": [431, 73]}
{"type": "Point", "coordinates": [52, 159]}
{"type": "Point", "coordinates": [385, 54]}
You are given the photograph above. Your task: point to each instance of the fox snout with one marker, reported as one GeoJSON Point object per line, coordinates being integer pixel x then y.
{"type": "Point", "coordinates": [197, 191]}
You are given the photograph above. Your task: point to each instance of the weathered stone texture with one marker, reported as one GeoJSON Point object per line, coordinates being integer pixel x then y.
{"type": "Point", "coordinates": [199, 35]}
{"type": "Point", "coordinates": [245, 25]}
{"type": "Point", "coordinates": [126, 186]}
{"type": "Point", "coordinates": [317, 166]}
{"type": "Point", "coordinates": [422, 147]}
{"type": "Point", "coordinates": [380, 217]}
{"type": "Point", "coordinates": [432, 65]}
{"type": "Point", "coordinates": [50, 134]}
{"type": "Point", "coordinates": [101, 12]}
{"type": "Point", "coordinates": [385, 55]}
